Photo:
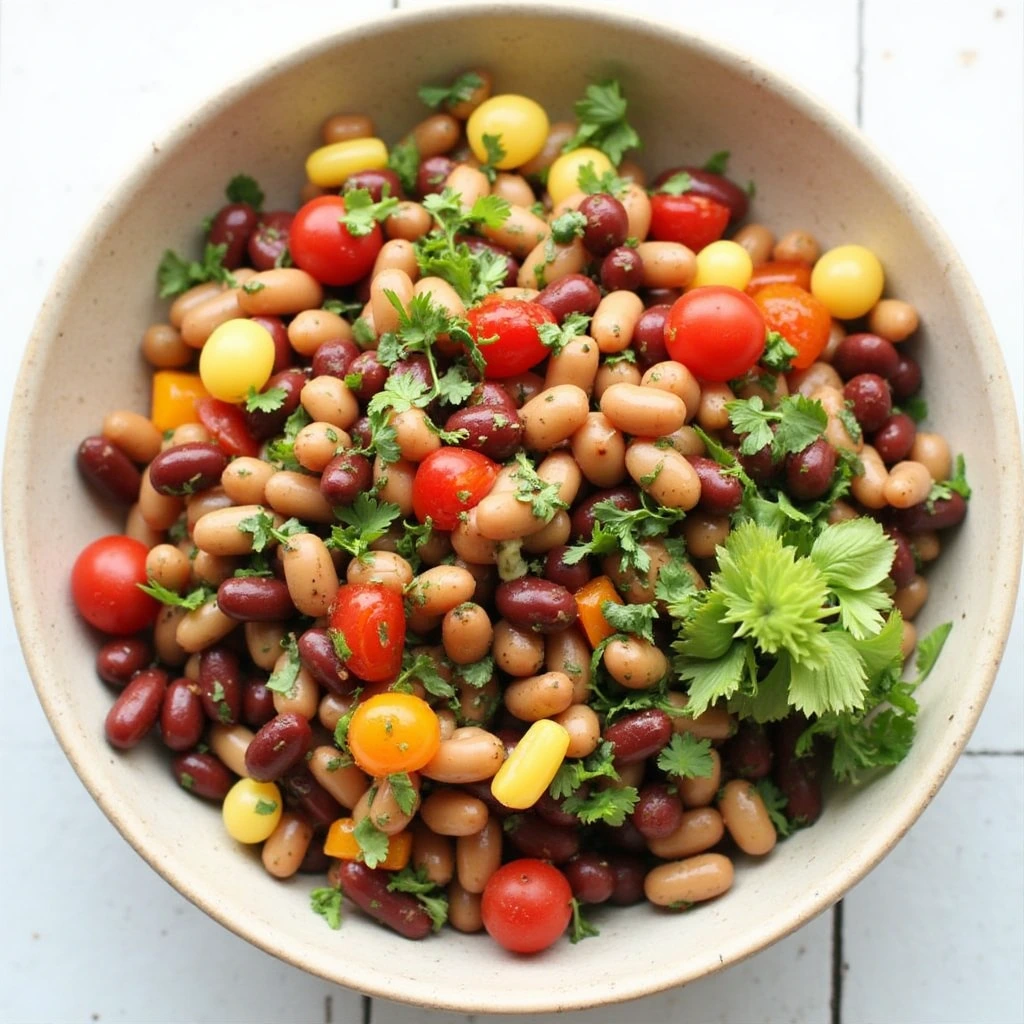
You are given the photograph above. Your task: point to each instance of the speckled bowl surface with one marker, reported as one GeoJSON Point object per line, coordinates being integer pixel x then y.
{"type": "Point", "coordinates": [687, 98]}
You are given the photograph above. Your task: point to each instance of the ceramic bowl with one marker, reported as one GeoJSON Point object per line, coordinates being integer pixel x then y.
{"type": "Point", "coordinates": [688, 98]}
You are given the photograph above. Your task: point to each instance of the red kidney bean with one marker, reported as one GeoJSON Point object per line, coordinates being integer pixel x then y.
{"type": "Point", "coordinates": [255, 599]}
{"type": "Point", "coordinates": [227, 424]}
{"type": "Point", "coordinates": [415, 366]}
{"type": "Point", "coordinates": [136, 709]}
{"type": "Point", "coordinates": [574, 293]}
{"type": "Point", "coordinates": [638, 735]}
{"type": "Point", "coordinates": [482, 791]}
{"type": "Point", "coordinates": [478, 245]}
{"type": "Point", "coordinates": [550, 809]}
{"type": "Point", "coordinates": [607, 223]}
{"type": "Point", "coordinates": [719, 494]}
{"type": "Point", "coordinates": [940, 514]}
{"type": "Point", "coordinates": [712, 186]}
{"type": "Point", "coordinates": [534, 837]}
{"type": "Point", "coordinates": [181, 715]}
{"type": "Point", "coordinates": [582, 519]}
{"type": "Point", "coordinates": [622, 270]}
{"type": "Point", "coordinates": [257, 703]}
{"type": "Point", "coordinates": [536, 604]}
{"type": "Point", "coordinates": [797, 779]}
{"type": "Point", "coordinates": [905, 380]}
{"type": "Point", "coordinates": [494, 431]}
{"type": "Point", "coordinates": [629, 874]}
{"type": "Point", "coordinates": [433, 171]}
{"type": "Point", "coordinates": [591, 877]}
{"type": "Point", "coordinates": [109, 470]}
{"type": "Point", "coordinates": [203, 775]}
{"type": "Point", "coordinates": [491, 393]}
{"type": "Point", "coordinates": [870, 400]}
{"type": "Point", "coordinates": [301, 790]}
{"type": "Point", "coordinates": [786, 735]}
{"type": "Point", "coordinates": [361, 432]}
{"type": "Point", "coordinates": [220, 684]}
{"type": "Point", "coordinates": [572, 577]}
{"type": "Point", "coordinates": [625, 837]}
{"type": "Point", "coordinates": [524, 387]}
{"type": "Point", "coordinates": [270, 239]}
{"type": "Point", "coordinates": [511, 732]}
{"type": "Point", "coordinates": [283, 351]}
{"type": "Point", "coordinates": [119, 659]}
{"type": "Point", "coordinates": [315, 862]}
{"type": "Point", "coordinates": [660, 296]}
{"type": "Point", "coordinates": [373, 374]}
{"type": "Point", "coordinates": [368, 889]}
{"type": "Point", "coordinates": [263, 425]}
{"type": "Point", "coordinates": [760, 466]}
{"type": "Point", "coordinates": [374, 183]}
{"type": "Point", "coordinates": [334, 357]}
{"type": "Point", "coordinates": [865, 353]}
{"type": "Point", "coordinates": [278, 747]}
{"type": "Point", "coordinates": [809, 472]}
{"type": "Point", "coordinates": [649, 335]}
{"type": "Point", "coordinates": [658, 812]}
{"type": "Point", "coordinates": [345, 477]}
{"type": "Point", "coordinates": [895, 437]}
{"type": "Point", "coordinates": [749, 752]}
{"type": "Point", "coordinates": [187, 468]}
{"type": "Point", "coordinates": [317, 653]}
{"type": "Point", "coordinates": [903, 566]}
{"type": "Point", "coordinates": [232, 227]}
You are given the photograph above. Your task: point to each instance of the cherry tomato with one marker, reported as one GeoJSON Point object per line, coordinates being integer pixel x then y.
{"type": "Point", "coordinates": [393, 732]}
{"type": "Point", "coordinates": [514, 325]}
{"type": "Point", "coordinates": [799, 317]}
{"type": "Point", "coordinates": [780, 272]}
{"type": "Point", "coordinates": [694, 220]}
{"type": "Point", "coordinates": [525, 905]}
{"type": "Point", "coordinates": [104, 585]}
{"type": "Point", "coordinates": [717, 332]}
{"type": "Point", "coordinates": [226, 423]}
{"type": "Point", "coordinates": [372, 620]}
{"type": "Point", "coordinates": [322, 246]}
{"type": "Point", "coordinates": [449, 481]}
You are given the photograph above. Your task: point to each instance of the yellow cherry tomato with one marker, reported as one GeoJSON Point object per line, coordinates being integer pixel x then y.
{"type": "Point", "coordinates": [251, 810]}
{"type": "Point", "coordinates": [393, 732]}
{"type": "Point", "coordinates": [564, 173]}
{"type": "Point", "coordinates": [519, 125]}
{"type": "Point", "coordinates": [848, 280]}
{"type": "Point", "coordinates": [239, 355]}
{"type": "Point", "coordinates": [174, 398]}
{"type": "Point", "coordinates": [725, 263]}
{"type": "Point", "coordinates": [529, 769]}
{"type": "Point", "coordinates": [330, 165]}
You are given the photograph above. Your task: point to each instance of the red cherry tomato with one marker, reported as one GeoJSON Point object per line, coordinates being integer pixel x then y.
{"type": "Point", "coordinates": [450, 481]}
{"type": "Point", "coordinates": [226, 423]}
{"type": "Point", "coordinates": [799, 317]}
{"type": "Point", "coordinates": [525, 905]}
{"type": "Point", "coordinates": [322, 246]}
{"type": "Point", "coordinates": [716, 331]}
{"type": "Point", "coordinates": [372, 620]}
{"type": "Point", "coordinates": [104, 585]}
{"type": "Point", "coordinates": [694, 220]}
{"type": "Point", "coordinates": [513, 324]}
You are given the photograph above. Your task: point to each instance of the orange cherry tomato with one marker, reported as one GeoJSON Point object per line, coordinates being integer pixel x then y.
{"type": "Point", "coordinates": [799, 317]}
{"type": "Point", "coordinates": [780, 272]}
{"type": "Point", "coordinates": [393, 732]}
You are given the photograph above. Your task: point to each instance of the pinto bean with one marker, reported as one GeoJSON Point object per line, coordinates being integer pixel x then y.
{"type": "Point", "coordinates": [666, 264]}
{"type": "Point", "coordinates": [698, 830]}
{"type": "Point", "coordinates": [664, 474]}
{"type": "Point", "coordinates": [347, 783]}
{"type": "Point", "coordinates": [520, 233]}
{"type": "Point", "coordinates": [553, 416]}
{"type": "Point", "coordinates": [635, 663]}
{"type": "Point", "coordinates": [537, 697]}
{"type": "Point", "coordinates": [643, 411]}
{"type": "Point", "coordinates": [746, 818]}
{"type": "Point", "coordinates": [615, 320]}
{"type": "Point", "coordinates": [471, 754]}
{"type": "Point", "coordinates": [693, 880]}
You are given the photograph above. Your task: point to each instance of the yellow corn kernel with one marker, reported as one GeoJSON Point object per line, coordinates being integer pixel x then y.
{"type": "Point", "coordinates": [174, 398]}
{"type": "Point", "coordinates": [341, 843]}
{"type": "Point", "coordinates": [522, 779]}
{"type": "Point", "coordinates": [329, 166]}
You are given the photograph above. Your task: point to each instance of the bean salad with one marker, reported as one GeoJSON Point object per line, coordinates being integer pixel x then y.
{"type": "Point", "coordinates": [514, 532]}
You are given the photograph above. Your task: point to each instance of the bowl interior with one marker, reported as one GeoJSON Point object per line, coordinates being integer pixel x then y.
{"type": "Point", "coordinates": [687, 99]}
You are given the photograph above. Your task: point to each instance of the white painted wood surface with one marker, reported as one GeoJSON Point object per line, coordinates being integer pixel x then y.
{"type": "Point", "coordinates": [935, 934]}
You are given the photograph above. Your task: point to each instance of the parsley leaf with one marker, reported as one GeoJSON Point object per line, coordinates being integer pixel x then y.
{"type": "Point", "coordinates": [608, 805]}
{"type": "Point", "coordinates": [601, 121]}
{"type": "Point", "coordinates": [326, 902]}
{"type": "Point", "coordinates": [404, 160]}
{"type": "Point", "coordinates": [579, 928]}
{"type": "Point", "coordinates": [175, 275]}
{"type": "Point", "coordinates": [556, 337]}
{"type": "Point", "coordinates": [677, 184]}
{"type": "Point", "coordinates": [590, 182]}
{"type": "Point", "coordinates": [283, 680]}
{"type": "Point", "coordinates": [686, 757]}
{"type": "Point", "coordinates": [573, 773]}
{"type": "Point", "coordinates": [366, 521]}
{"type": "Point", "coordinates": [361, 212]}
{"type": "Point", "coordinates": [415, 882]}
{"type": "Point", "coordinates": [717, 162]}
{"type": "Point", "coordinates": [190, 601]}
{"type": "Point", "coordinates": [373, 844]}
{"type": "Point", "coordinates": [542, 497]}
{"type": "Point", "coordinates": [404, 792]}
{"type": "Point", "coordinates": [778, 354]}
{"type": "Point", "coordinates": [775, 804]}
{"type": "Point", "coordinates": [928, 650]}
{"type": "Point", "coordinates": [637, 619]}
{"type": "Point", "coordinates": [265, 401]}
{"type": "Point", "coordinates": [459, 91]}
{"type": "Point", "coordinates": [244, 189]}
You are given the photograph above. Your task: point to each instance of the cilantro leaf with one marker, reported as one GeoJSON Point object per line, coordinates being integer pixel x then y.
{"type": "Point", "coordinates": [677, 184]}
{"type": "Point", "coordinates": [244, 189]}
{"type": "Point", "coordinates": [778, 354]}
{"type": "Point", "coordinates": [579, 928]}
{"type": "Point", "coordinates": [283, 680]}
{"type": "Point", "coordinates": [414, 536]}
{"type": "Point", "coordinates": [175, 275]}
{"type": "Point", "coordinates": [495, 153]}
{"type": "Point", "coordinates": [928, 650]}
{"type": "Point", "coordinates": [477, 673]}
{"type": "Point", "coordinates": [424, 668]}
{"type": "Point", "coordinates": [717, 162]}
{"type": "Point", "coordinates": [265, 401]}
{"type": "Point", "coordinates": [326, 902]}
{"type": "Point", "coordinates": [608, 805]}
{"type": "Point", "coordinates": [404, 160]}
{"type": "Point", "coordinates": [460, 90]}
{"type": "Point", "coordinates": [366, 521]}
{"type": "Point", "coordinates": [404, 792]}
{"type": "Point", "coordinates": [556, 336]}
{"type": "Point", "coordinates": [265, 807]}
{"type": "Point", "coordinates": [341, 726]}
{"type": "Point", "coordinates": [959, 483]}
{"type": "Point", "coordinates": [542, 497]}
{"type": "Point", "coordinates": [915, 407]}
{"type": "Point", "coordinates": [637, 619]}
{"type": "Point", "coordinates": [592, 183]}
{"type": "Point", "coordinates": [281, 451]}
{"type": "Point", "coordinates": [415, 882]}
{"type": "Point", "coordinates": [601, 121]}
{"type": "Point", "coordinates": [570, 225]}
{"type": "Point", "coordinates": [573, 773]}
{"type": "Point", "coordinates": [775, 804]}
{"type": "Point", "coordinates": [675, 586]}
{"type": "Point", "coordinates": [373, 844]}
{"type": "Point", "coordinates": [798, 421]}
{"type": "Point", "coordinates": [686, 757]}
{"type": "Point", "coordinates": [190, 601]}
{"type": "Point", "coordinates": [361, 212]}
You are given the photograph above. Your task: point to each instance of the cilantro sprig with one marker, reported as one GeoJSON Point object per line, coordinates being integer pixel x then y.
{"type": "Point", "coordinates": [460, 90]}
{"type": "Point", "coordinates": [190, 602]}
{"type": "Point", "coordinates": [601, 121]}
{"type": "Point", "coordinates": [432, 896]}
{"type": "Point", "coordinates": [361, 212]}
{"type": "Point", "coordinates": [798, 422]}
{"type": "Point", "coordinates": [243, 188]}
{"type": "Point", "coordinates": [176, 275]}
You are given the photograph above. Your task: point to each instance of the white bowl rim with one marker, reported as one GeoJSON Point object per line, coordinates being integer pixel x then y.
{"type": "Point", "coordinates": [16, 469]}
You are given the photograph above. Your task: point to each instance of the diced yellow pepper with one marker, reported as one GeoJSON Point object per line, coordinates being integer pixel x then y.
{"type": "Point", "coordinates": [341, 843]}
{"type": "Point", "coordinates": [589, 600]}
{"type": "Point", "coordinates": [174, 398]}
{"type": "Point", "coordinates": [529, 769]}
{"type": "Point", "coordinates": [330, 165]}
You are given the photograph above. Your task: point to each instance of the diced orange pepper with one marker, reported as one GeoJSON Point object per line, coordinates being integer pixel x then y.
{"type": "Point", "coordinates": [174, 398]}
{"type": "Point", "coordinates": [589, 599]}
{"type": "Point", "coordinates": [341, 843]}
